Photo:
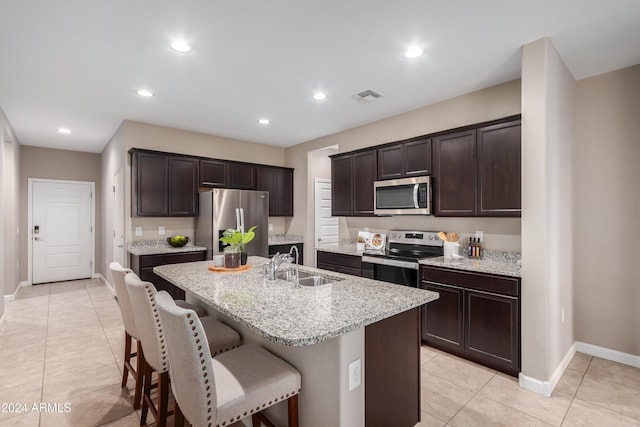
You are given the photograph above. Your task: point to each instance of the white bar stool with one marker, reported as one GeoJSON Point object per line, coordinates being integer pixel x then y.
{"type": "Point", "coordinates": [222, 390]}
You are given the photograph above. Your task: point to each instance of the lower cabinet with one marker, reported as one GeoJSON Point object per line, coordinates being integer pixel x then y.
{"type": "Point", "coordinates": [342, 263]}
{"type": "Point", "coordinates": [143, 265]}
{"type": "Point", "coordinates": [476, 317]}
{"type": "Point", "coordinates": [284, 249]}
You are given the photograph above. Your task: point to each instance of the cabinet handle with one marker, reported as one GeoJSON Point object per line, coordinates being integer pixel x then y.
{"type": "Point", "coordinates": [210, 183]}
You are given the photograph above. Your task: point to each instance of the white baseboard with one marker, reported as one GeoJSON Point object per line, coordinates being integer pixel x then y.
{"type": "Point", "coordinates": [12, 297]}
{"type": "Point", "coordinates": [545, 388]}
{"type": "Point", "coordinates": [606, 353]}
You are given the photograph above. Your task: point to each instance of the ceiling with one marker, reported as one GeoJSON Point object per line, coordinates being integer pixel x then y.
{"type": "Point", "coordinates": [78, 64]}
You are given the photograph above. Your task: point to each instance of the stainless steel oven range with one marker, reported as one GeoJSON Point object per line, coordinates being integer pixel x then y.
{"type": "Point", "coordinates": [399, 263]}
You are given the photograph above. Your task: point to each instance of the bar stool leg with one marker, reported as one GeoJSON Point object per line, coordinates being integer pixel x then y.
{"type": "Point", "coordinates": [163, 398]}
{"type": "Point", "coordinates": [292, 405]}
{"type": "Point", "coordinates": [179, 419]}
{"type": "Point", "coordinates": [127, 358]}
{"type": "Point", "coordinates": [148, 373]}
{"type": "Point", "coordinates": [137, 396]}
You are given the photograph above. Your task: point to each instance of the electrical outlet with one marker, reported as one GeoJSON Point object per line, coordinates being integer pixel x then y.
{"type": "Point", "coordinates": [161, 230]}
{"type": "Point", "coordinates": [270, 228]}
{"type": "Point", "coordinates": [480, 235]}
{"type": "Point", "coordinates": [562, 314]}
{"type": "Point", "coordinates": [355, 374]}
{"type": "Point", "coordinates": [138, 231]}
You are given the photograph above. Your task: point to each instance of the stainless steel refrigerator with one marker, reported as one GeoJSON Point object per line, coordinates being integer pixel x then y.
{"type": "Point", "coordinates": [221, 209]}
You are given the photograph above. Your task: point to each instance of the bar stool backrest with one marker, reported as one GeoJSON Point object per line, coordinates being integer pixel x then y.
{"type": "Point", "coordinates": [192, 379]}
{"type": "Point", "coordinates": [124, 302]}
{"type": "Point", "coordinates": [143, 298]}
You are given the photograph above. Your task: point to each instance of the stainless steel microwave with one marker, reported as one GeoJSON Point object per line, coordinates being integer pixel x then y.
{"type": "Point", "coordinates": [408, 196]}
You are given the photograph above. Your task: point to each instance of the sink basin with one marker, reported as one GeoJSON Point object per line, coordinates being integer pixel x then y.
{"type": "Point", "coordinates": [306, 278]}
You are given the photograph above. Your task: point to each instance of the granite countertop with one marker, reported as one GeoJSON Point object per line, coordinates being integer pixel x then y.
{"type": "Point", "coordinates": [156, 247]}
{"type": "Point", "coordinates": [493, 262]}
{"type": "Point", "coordinates": [284, 314]}
{"type": "Point", "coordinates": [284, 239]}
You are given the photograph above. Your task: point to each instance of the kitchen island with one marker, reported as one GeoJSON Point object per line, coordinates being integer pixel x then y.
{"type": "Point", "coordinates": [372, 326]}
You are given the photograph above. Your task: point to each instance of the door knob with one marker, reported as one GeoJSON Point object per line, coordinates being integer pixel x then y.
{"type": "Point", "coordinates": [120, 246]}
{"type": "Point", "coordinates": [38, 238]}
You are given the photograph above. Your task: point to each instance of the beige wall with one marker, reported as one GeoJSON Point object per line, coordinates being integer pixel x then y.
{"type": "Point", "coordinates": [10, 211]}
{"type": "Point", "coordinates": [547, 140]}
{"type": "Point", "coordinates": [47, 163]}
{"type": "Point", "coordinates": [487, 104]}
{"type": "Point", "coordinates": [607, 207]}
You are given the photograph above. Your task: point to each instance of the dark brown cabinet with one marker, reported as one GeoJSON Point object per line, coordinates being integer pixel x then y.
{"type": "Point", "coordinates": [342, 263]}
{"type": "Point", "coordinates": [499, 169]}
{"type": "Point", "coordinates": [454, 166]}
{"type": "Point", "coordinates": [163, 185]}
{"type": "Point", "coordinates": [213, 173]}
{"type": "Point", "coordinates": [477, 172]}
{"type": "Point", "coordinates": [406, 159]}
{"type": "Point", "coordinates": [279, 183]}
{"type": "Point", "coordinates": [242, 176]}
{"type": "Point", "coordinates": [352, 178]}
{"type": "Point", "coordinates": [476, 317]}
{"type": "Point", "coordinates": [143, 265]}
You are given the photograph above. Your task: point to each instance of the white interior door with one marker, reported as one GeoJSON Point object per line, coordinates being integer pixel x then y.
{"type": "Point", "coordinates": [118, 217]}
{"type": "Point", "coordinates": [61, 231]}
{"type": "Point", "coordinates": [326, 225]}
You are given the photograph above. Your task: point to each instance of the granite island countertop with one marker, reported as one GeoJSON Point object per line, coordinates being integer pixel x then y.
{"type": "Point", "coordinates": [492, 262]}
{"type": "Point", "coordinates": [291, 316]}
{"type": "Point", "coordinates": [157, 247]}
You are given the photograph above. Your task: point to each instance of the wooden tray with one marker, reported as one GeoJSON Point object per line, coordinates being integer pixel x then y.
{"type": "Point", "coordinates": [229, 270]}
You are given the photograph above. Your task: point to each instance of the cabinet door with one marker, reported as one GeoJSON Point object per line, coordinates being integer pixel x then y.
{"type": "Point", "coordinates": [213, 173]}
{"type": "Point", "coordinates": [390, 162]}
{"type": "Point", "coordinates": [151, 191]}
{"type": "Point", "coordinates": [417, 158]}
{"type": "Point", "coordinates": [492, 330]}
{"type": "Point", "coordinates": [499, 170]}
{"type": "Point", "coordinates": [442, 319]}
{"type": "Point", "coordinates": [242, 176]}
{"type": "Point", "coordinates": [455, 174]}
{"type": "Point", "coordinates": [283, 183]}
{"type": "Point", "coordinates": [364, 175]}
{"type": "Point", "coordinates": [265, 181]}
{"type": "Point", "coordinates": [341, 187]}
{"type": "Point", "coordinates": [183, 186]}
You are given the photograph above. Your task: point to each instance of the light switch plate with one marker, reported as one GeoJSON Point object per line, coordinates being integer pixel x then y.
{"type": "Point", "coordinates": [355, 374]}
{"type": "Point", "coordinates": [161, 230]}
{"type": "Point", "coordinates": [270, 227]}
{"type": "Point", "coordinates": [138, 231]}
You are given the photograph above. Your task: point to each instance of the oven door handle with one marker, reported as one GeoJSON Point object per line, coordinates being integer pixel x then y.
{"type": "Point", "coordinates": [390, 262]}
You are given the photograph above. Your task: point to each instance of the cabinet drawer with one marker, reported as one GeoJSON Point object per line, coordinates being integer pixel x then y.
{"type": "Point", "coordinates": [154, 260]}
{"type": "Point", "coordinates": [351, 261]}
{"type": "Point", "coordinates": [480, 281]}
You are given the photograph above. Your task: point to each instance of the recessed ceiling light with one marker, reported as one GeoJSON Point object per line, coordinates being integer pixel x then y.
{"type": "Point", "coordinates": [64, 130]}
{"type": "Point", "coordinates": [145, 93]}
{"type": "Point", "coordinates": [181, 46]}
{"type": "Point", "coordinates": [319, 96]}
{"type": "Point", "coordinates": [264, 121]}
{"type": "Point", "coordinates": [413, 52]}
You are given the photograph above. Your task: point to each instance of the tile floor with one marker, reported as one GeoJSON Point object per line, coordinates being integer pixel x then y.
{"type": "Point", "coordinates": [62, 344]}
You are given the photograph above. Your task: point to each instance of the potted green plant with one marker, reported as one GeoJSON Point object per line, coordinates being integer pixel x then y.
{"type": "Point", "coordinates": [237, 240]}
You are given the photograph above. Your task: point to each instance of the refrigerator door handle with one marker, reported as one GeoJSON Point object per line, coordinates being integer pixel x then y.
{"type": "Point", "coordinates": [240, 219]}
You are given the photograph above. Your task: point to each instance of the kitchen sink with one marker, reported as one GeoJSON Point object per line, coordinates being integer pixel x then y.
{"type": "Point", "coordinates": [307, 278]}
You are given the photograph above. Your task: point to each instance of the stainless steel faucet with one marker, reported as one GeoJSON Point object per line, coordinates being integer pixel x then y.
{"type": "Point", "coordinates": [269, 270]}
{"type": "Point", "coordinates": [297, 263]}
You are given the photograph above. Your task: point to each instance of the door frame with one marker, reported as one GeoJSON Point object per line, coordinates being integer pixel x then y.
{"type": "Point", "coordinates": [30, 222]}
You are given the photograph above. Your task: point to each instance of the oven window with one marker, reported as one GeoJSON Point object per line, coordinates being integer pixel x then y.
{"type": "Point", "coordinates": [398, 275]}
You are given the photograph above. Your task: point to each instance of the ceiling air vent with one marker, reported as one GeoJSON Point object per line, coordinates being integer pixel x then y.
{"type": "Point", "coordinates": [366, 96]}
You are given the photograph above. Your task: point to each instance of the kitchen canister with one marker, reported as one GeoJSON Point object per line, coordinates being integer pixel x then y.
{"type": "Point", "coordinates": [450, 248]}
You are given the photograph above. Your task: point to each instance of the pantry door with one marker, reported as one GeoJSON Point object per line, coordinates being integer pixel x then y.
{"type": "Point", "coordinates": [61, 230]}
{"type": "Point", "coordinates": [326, 226]}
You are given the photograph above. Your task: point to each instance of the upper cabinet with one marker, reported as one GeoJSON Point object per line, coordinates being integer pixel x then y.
{"type": "Point", "coordinates": [406, 159]}
{"type": "Point", "coordinates": [279, 183]}
{"type": "Point", "coordinates": [166, 184]}
{"type": "Point", "coordinates": [352, 178]}
{"type": "Point", "coordinates": [163, 185]}
{"type": "Point", "coordinates": [477, 172]}
{"type": "Point", "coordinates": [499, 169]}
{"type": "Point", "coordinates": [213, 173]}
{"type": "Point", "coordinates": [242, 176]}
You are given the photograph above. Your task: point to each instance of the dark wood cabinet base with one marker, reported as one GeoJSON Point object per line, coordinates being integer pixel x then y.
{"type": "Point", "coordinates": [392, 371]}
{"type": "Point", "coordinates": [143, 265]}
